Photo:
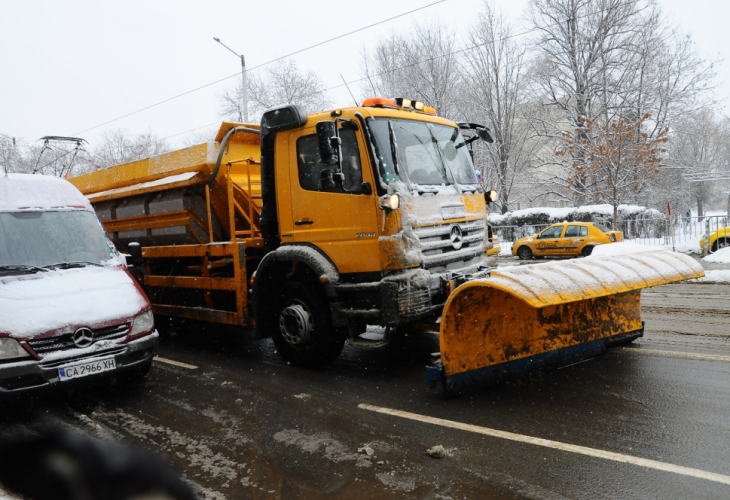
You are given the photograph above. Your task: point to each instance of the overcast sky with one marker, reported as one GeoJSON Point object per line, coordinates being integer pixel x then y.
{"type": "Point", "coordinates": [67, 67]}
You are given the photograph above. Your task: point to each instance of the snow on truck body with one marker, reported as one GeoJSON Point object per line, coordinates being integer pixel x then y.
{"type": "Point", "coordinates": [68, 306]}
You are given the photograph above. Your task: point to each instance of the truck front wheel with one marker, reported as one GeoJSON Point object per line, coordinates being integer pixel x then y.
{"type": "Point", "coordinates": [303, 332]}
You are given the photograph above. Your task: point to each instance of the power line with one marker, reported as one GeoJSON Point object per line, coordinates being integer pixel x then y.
{"type": "Point", "coordinates": [261, 65]}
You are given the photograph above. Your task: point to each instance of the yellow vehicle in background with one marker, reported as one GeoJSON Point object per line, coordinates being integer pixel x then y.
{"type": "Point", "coordinates": [568, 239]}
{"type": "Point", "coordinates": [718, 239]}
{"type": "Point", "coordinates": [496, 247]}
{"type": "Point", "coordinates": [310, 227]}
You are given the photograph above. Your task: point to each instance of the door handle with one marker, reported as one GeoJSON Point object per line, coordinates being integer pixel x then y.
{"type": "Point", "coordinates": [303, 222]}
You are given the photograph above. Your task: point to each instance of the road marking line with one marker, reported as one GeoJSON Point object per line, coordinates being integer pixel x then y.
{"type": "Point", "coordinates": [582, 450]}
{"type": "Point", "coordinates": [175, 363]}
{"type": "Point", "coordinates": [677, 354]}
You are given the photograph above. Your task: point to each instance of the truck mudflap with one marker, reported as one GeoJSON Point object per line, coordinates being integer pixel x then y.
{"type": "Point", "coordinates": [535, 317]}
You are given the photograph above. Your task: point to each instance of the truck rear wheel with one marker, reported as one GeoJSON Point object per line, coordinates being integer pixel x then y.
{"type": "Point", "coordinates": [303, 332]}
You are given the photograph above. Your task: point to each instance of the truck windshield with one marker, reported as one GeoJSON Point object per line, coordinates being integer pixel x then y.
{"type": "Point", "coordinates": [427, 153]}
{"type": "Point", "coordinates": [40, 239]}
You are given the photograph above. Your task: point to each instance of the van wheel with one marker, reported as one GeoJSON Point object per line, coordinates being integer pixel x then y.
{"type": "Point", "coordinates": [720, 243]}
{"type": "Point", "coordinates": [524, 253]}
{"type": "Point", "coordinates": [303, 332]}
{"type": "Point", "coordinates": [587, 251]}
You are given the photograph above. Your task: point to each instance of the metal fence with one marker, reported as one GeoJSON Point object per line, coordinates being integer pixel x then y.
{"type": "Point", "coordinates": [656, 231]}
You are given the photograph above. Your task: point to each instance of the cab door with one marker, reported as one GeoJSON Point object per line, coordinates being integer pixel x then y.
{"type": "Point", "coordinates": [548, 241]}
{"type": "Point", "coordinates": [574, 239]}
{"type": "Point", "coordinates": [339, 221]}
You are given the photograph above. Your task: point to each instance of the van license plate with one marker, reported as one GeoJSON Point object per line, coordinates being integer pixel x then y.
{"type": "Point", "coordinates": [83, 369]}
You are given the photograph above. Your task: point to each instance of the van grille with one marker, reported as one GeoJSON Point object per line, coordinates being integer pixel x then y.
{"type": "Point", "coordinates": [65, 342]}
{"type": "Point", "coordinates": [436, 242]}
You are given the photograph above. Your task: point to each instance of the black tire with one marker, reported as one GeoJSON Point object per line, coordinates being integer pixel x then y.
{"type": "Point", "coordinates": [302, 327]}
{"type": "Point", "coordinates": [587, 250]}
{"type": "Point", "coordinates": [720, 243]}
{"type": "Point", "coordinates": [524, 253]}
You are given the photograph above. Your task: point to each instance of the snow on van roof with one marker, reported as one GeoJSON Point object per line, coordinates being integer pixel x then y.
{"type": "Point", "coordinates": [39, 192]}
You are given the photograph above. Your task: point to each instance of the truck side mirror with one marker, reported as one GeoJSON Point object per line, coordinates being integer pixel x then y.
{"type": "Point", "coordinates": [328, 149]}
{"type": "Point", "coordinates": [135, 254]}
{"type": "Point", "coordinates": [484, 135]}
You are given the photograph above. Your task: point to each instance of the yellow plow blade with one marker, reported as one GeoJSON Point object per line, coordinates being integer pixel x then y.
{"type": "Point", "coordinates": [538, 316]}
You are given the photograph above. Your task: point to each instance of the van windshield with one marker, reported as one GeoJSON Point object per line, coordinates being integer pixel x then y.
{"type": "Point", "coordinates": [427, 153]}
{"type": "Point", "coordinates": [41, 239]}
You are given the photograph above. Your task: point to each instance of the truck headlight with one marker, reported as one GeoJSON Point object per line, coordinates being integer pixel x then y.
{"type": "Point", "coordinates": [11, 349]}
{"type": "Point", "coordinates": [390, 202]}
{"type": "Point", "coordinates": [142, 323]}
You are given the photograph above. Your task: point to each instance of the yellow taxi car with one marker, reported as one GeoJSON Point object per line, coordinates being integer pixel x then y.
{"type": "Point", "coordinates": [496, 248]}
{"type": "Point", "coordinates": [568, 239]}
{"type": "Point", "coordinates": [718, 239]}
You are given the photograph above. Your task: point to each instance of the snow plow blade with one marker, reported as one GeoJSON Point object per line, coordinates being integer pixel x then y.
{"type": "Point", "coordinates": [540, 316]}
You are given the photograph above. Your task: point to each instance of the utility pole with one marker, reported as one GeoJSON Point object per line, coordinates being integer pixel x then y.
{"type": "Point", "coordinates": [244, 103]}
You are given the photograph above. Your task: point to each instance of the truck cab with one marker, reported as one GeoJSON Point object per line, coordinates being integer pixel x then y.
{"type": "Point", "coordinates": [377, 207]}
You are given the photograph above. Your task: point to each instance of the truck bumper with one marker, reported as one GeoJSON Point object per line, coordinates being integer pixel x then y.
{"type": "Point", "coordinates": [402, 298]}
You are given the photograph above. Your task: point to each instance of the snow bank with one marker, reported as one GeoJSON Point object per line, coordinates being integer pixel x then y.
{"type": "Point", "coordinates": [32, 304]}
{"type": "Point", "coordinates": [721, 256]}
{"type": "Point", "coordinates": [39, 192]}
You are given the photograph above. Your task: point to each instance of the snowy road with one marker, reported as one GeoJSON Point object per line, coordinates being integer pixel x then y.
{"type": "Point", "coordinates": [240, 423]}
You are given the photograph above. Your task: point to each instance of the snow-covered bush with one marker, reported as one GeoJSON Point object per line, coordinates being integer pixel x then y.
{"type": "Point", "coordinates": [602, 214]}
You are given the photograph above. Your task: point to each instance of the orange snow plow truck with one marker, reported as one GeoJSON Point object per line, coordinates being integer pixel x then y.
{"type": "Point", "coordinates": [311, 227]}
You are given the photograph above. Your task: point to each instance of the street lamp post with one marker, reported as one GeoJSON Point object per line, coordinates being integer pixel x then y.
{"type": "Point", "coordinates": [244, 104]}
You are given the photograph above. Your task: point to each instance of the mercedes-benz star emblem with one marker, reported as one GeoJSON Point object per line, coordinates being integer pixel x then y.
{"type": "Point", "coordinates": [456, 237]}
{"type": "Point", "coordinates": [83, 337]}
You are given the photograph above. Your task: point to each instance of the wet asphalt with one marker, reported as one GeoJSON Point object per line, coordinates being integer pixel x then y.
{"type": "Point", "coordinates": [243, 424]}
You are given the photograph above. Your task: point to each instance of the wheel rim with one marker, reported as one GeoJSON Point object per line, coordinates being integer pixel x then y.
{"type": "Point", "coordinates": [723, 244]}
{"type": "Point", "coordinates": [524, 253]}
{"type": "Point", "coordinates": [296, 324]}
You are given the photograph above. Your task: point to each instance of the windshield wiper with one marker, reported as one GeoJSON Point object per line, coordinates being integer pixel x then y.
{"type": "Point", "coordinates": [396, 158]}
{"type": "Point", "coordinates": [76, 263]}
{"type": "Point", "coordinates": [21, 267]}
{"type": "Point", "coordinates": [444, 162]}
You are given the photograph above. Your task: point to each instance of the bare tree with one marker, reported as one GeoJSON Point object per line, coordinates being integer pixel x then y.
{"type": "Point", "coordinates": [421, 66]}
{"type": "Point", "coordinates": [619, 158]}
{"type": "Point", "coordinates": [610, 61]}
{"type": "Point", "coordinates": [700, 148]}
{"type": "Point", "coordinates": [118, 146]}
{"type": "Point", "coordinates": [282, 83]}
{"type": "Point", "coordinates": [11, 154]}
{"type": "Point", "coordinates": [494, 80]}
{"type": "Point", "coordinates": [583, 48]}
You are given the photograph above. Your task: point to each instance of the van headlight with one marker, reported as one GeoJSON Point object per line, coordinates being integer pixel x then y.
{"type": "Point", "coordinates": [11, 349]}
{"type": "Point", "coordinates": [142, 323]}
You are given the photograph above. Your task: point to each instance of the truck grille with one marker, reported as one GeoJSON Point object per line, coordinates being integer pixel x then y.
{"type": "Point", "coordinates": [65, 342]}
{"type": "Point", "coordinates": [436, 243]}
